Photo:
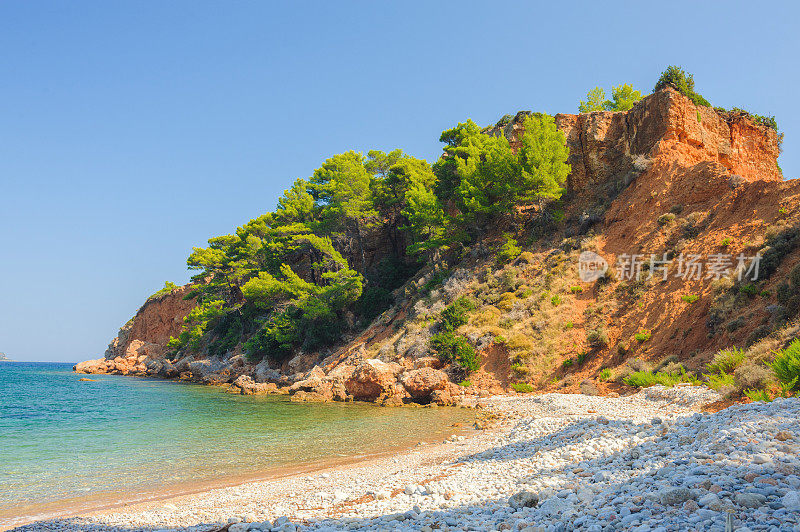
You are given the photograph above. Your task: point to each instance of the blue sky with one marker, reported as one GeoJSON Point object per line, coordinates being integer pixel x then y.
{"type": "Point", "coordinates": [132, 131]}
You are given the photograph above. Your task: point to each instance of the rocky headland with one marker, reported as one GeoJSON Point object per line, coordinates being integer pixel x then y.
{"type": "Point", "coordinates": [667, 177]}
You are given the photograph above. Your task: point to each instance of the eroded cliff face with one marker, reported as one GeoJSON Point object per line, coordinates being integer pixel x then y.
{"type": "Point", "coordinates": [606, 146]}
{"type": "Point", "coordinates": [142, 341]}
{"type": "Point", "coordinates": [665, 155]}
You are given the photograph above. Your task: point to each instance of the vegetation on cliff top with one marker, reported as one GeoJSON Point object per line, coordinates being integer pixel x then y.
{"type": "Point", "coordinates": [622, 99]}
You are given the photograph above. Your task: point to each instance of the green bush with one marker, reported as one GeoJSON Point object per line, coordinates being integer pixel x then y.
{"type": "Point", "coordinates": [228, 333]}
{"type": "Point", "coordinates": [168, 287]}
{"type": "Point", "coordinates": [436, 279]}
{"type": "Point", "coordinates": [555, 300]}
{"type": "Point", "coordinates": [582, 356]}
{"type": "Point", "coordinates": [623, 98]}
{"type": "Point", "coordinates": [522, 369]}
{"type": "Point", "coordinates": [509, 250]}
{"type": "Point", "coordinates": [567, 363]}
{"type": "Point", "coordinates": [644, 379]}
{"type": "Point", "coordinates": [750, 289]}
{"type": "Point", "coordinates": [664, 219]}
{"type": "Point", "coordinates": [690, 298]}
{"type": "Point", "coordinates": [778, 246]}
{"type": "Point", "coordinates": [725, 242]}
{"type": "Point", "coordinates": [643, 335]}
{"type": "Point", "coordinates": [726, 361]}
{"type": "Point", "coordinates": [678, 79]}
{"type": "Point", "coordinates": [597, 337]}
{"type": "Point", "coordinates": [758, 395]}
{"type": "Point", "coordinates": [768, 121]}
{"type": "Point", "coordinates": [605, 374]}
{"type": "Point", "coordinates": [720, 380]}
{"type": "Point", "coordinates": [787, 364]}
{"type": "Point", "coordinates": [456, 314]}
{"type": "Point", "coordinates": [522, 387]}
{"type": "Point", "coordinates": [455, 349]}
{"type": "Point", "coordinates": [191, 294]}
{"type": "Point", "coordinates": [576, 289]}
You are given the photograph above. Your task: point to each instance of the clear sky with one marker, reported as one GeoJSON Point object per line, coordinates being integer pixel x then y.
{"type": "Point", "coordinates": [132, 131]}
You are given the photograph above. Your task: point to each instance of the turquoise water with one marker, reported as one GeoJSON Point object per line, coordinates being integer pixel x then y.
{"type": "Point", "coordinates": [72, 445]}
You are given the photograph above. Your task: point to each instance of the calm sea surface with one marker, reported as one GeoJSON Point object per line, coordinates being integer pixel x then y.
{"type": "Point", "coordinates": [67, 444]}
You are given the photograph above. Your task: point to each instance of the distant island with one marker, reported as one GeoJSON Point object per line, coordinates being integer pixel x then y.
{"type": "Point", "coordinates": [4, 358]}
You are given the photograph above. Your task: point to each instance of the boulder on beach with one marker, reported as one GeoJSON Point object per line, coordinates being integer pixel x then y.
{"type": "Point", "coordinates": [373, 379]}
{"type": "Point", "coordinates": [421, 383]}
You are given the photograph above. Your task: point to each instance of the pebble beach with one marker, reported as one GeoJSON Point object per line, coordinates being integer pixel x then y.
{"type": "Point", "coordinates": [651, 461]}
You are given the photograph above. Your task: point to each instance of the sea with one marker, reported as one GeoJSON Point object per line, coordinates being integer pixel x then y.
{"type": "Point", "coordinates": [68, 446]}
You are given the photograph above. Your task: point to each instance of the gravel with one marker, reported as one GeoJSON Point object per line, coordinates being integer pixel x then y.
{"type": "Point", "coordinates": [557, 462]}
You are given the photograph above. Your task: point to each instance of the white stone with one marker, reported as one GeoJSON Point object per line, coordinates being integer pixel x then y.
{"type": "Point", "coordinates": [791, 501]}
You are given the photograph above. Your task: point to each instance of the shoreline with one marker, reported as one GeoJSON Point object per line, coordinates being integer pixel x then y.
{"type": "Point", "coordinates": [153, 497]}
{"type": "Point", "coordinates": [591, 460]}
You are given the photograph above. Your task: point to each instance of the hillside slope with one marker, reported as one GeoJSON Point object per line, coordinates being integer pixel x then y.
{"type": "Point", "coordinates": [667, 179]}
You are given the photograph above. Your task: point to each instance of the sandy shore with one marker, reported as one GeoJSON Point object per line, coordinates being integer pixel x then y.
{"type": "Point", "coordinates": [553, 462]}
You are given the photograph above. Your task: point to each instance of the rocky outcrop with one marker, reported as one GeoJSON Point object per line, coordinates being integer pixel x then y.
{"type": "Point", "coordinates": [389, 384]}
{"type": "Point", "coordinates": [135, 360]}
{"type": "Point", "coordinates": [160, 318]}
{"type": "Point", "coordinates": [373, 380]}
{"type": "Point", "coordinates": [247, 386]}
{"type": "Point", "coordinates": [421, 383]}
{"type": "Point", "coordinates": [608, 148]}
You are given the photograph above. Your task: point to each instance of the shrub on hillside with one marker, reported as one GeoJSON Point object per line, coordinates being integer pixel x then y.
{"type": "Point", "coordinates": [168, 287]}
{"type": "Point", "coordinates": [526, 257]}
{"type": "Point", "coordinates": [768, 121]}
{"type": "Point", "coordinates": [720, 381]}
{"type": "Point", "coordinates": [758, 395]}
{"type": "Point", "coordinates": [664, 219]}
{"type": "Point", "coordinates": [679, 80]}
{"type": "Point", "coordinates": [597, 337]}
{"type": "Point", "coordinates": [509, 250]}
{"type": "Point", "coordinates": [455, 349]}
{"type": "Point", "coordinates": [643, 379]}
{"type": "Point", "coordinates": [750, 375]}
{"type": "Point", "coordinates": [787, 364]}
{"type": "Point", "coordinates": [726, 361]}
{"type": "Point", "coordinates": [456, 314]}
{"type": "Point", "coordinates": [779, 243]}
